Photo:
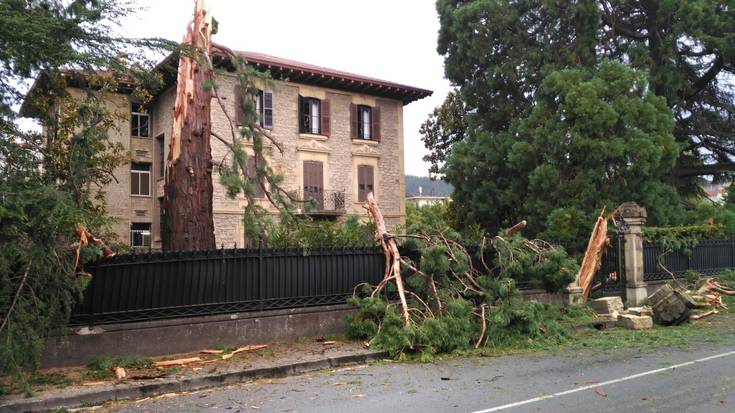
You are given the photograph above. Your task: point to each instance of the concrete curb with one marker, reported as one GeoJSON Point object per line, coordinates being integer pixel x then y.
{"type": "Point", "coordinates": [137, 391]}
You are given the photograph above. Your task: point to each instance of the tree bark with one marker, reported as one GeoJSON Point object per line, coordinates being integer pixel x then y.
{"type": "Point", "coordinates": [188, 222]}
{"type": "Point", "coordinates": [390, 248]}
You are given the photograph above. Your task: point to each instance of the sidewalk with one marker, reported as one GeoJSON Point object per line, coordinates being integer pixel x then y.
{"type": "Point", "coordinates": [276, 360]}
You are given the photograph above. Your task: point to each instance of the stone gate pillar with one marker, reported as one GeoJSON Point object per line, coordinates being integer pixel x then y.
{"type": "Point", "coordinates": [634, 217]}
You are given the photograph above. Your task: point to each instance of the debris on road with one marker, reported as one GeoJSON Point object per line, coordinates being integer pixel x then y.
{"type": "Point", "coordinates": [635, 322]}
{"type": "Point", "coordinates": [177, 362]}
{"type": "Point", "coordinates": [608, 306]}
{"type": "Point", "coordinates": [245, 348]}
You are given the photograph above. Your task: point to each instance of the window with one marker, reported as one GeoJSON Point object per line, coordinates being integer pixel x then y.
{"type": "Point", "coordinates": [364, 122]}
{"type": "Point", "coordinates": [160, 159]}
{"type": "Point", "coordinates": [309, 114]}
{"type": "Point", "coordinates": [264, 108]}
{"type": "Point", "coordinates": [140, 179]}
{"type": "Point", "coordinates": [140, 234]}
{"type": "Point", "coordinates": [139, 121]}
{"type": "Point", "coordinates": [364, 182]}
{"type": "Point", "coordinates": [252, 178]}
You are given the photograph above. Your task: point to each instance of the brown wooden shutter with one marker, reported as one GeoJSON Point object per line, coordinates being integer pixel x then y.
{"type": "Point", "coordinates": [361, 183]}
{"type": "Point", "coordinates": [353, 121]}
{"type": "Point", "coordinates": [300, 118]}
{"type": "Point", "coordinates": [375, 124]}
{"type": "Point", "coordinates": [325, 126]}
{"type": "Point", "coordinates": [364, 182]}
{"type": "Point", "coordinates": [239, 110]}
{"type": "Point", "coordinates": [369, 185]}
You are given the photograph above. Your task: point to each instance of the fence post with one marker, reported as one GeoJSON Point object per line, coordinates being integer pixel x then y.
{"type": "Point", "coordinates": [634, 217]}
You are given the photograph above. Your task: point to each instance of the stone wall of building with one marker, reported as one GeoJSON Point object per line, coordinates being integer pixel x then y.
{"type": "Point", "coordinates": [339, 154]}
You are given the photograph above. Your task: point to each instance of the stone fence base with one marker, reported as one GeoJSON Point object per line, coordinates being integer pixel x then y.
{"type": "Point", "coordinates": [183, 335]}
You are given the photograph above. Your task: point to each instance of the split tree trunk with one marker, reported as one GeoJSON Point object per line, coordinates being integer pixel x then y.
{"type": "Point", "coordinates": [188, 222]}
{"type": "Point", "coordinates": [392, 256]}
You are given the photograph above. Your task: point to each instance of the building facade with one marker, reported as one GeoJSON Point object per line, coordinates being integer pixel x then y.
{"type": "Point", "coordinates": [342, 137]}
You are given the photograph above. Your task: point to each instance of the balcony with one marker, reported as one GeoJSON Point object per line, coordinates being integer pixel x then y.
{"type": "Point", "coordinates": [323, 202]}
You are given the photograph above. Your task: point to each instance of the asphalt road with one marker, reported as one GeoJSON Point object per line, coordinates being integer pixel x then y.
{"type": "Point", "coordinates": [614, 381]}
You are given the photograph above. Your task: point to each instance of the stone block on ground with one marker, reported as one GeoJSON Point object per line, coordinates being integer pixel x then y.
{"type": "Point", "coordinates": [640, 311]}
{"type": "Point", "coordinates": [608, 305]}
{"type": "Point", "coordinates": [635, 322]}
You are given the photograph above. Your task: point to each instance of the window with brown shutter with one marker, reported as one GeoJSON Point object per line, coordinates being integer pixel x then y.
{"type": "Point", "coordinates": [364, 122]}
{"type": "Point", "coordinates": [353, 121]}
{"type": "Point", "coordinates": [325, 126]}
{"type": "Point", "coordinates": [365, 183]}
{"type": "Point", "coordinates": [309, 115]}
{"type": "Point", "coordinates": [314, 182]}
{"type": "Point", "coordinates": [253, 178]}
{"type": "Point", "coordinates": [376, 124]}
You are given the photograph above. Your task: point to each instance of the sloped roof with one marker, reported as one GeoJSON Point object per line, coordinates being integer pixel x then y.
{"type": "Point", "coordinates": [299, 72]}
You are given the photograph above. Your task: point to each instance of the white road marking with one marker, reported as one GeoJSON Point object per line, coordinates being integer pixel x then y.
{"type": "Point", "coordinates": [605, 383]}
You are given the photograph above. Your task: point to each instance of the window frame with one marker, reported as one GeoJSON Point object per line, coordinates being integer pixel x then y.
{"type": "Point", "coordinates": [142, 234]}
{"type": "Point", "coordinates": [362, 194]}
{"type": "Point", "coordinates": [140, 173]}
{"type": "Point", "coordinates": [361, 125]}
{"type": "Point", "coordinates": [306, 116]}
{"type": "Point", "coordinates": [138, 112]}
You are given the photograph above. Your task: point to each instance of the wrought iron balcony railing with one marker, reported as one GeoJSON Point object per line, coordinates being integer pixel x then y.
{"type": "Point", "coordinates": [324, 201]}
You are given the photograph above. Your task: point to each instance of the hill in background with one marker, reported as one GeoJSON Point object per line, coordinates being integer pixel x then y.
{"type": "Point", "coordinates": [433, 188]}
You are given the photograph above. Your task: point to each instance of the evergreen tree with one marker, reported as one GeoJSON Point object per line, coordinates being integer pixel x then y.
{"type": "Point", "coordinates": [50, 183]}
{"type": "Point", "coordinates": [498, 54]}
{"type": "Point", "coordinates": [594, 139]}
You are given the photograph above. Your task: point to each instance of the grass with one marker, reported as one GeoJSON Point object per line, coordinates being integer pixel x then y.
{"type": "Point", "coordinates": [50, 379]}
{"type": "Point", "coordinates": [101, 367]}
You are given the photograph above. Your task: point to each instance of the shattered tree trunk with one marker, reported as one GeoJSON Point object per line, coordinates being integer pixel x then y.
{"type": "Point", "coordinates": [390, 248]}
{"type": "Point", "coordinates": [188, 222]}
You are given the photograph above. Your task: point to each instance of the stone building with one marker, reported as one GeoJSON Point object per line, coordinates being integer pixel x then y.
{"type": "Point", "coordinates": [342, 136]}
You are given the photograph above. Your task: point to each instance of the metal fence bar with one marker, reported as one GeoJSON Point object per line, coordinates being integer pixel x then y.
{"type": "Point", "coordinates": [162, 285]}
{"type": "Point", "coordinates": [708, 257]}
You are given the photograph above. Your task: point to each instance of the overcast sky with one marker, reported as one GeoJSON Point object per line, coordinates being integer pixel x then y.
{"type": "Point", "coordinates": [387, 39]}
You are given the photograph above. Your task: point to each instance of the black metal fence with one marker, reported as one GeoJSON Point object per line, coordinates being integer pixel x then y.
{"type": "Point", "coordinates": [151, 286]}
{"type": "Point", "coordinates": [708, 257]}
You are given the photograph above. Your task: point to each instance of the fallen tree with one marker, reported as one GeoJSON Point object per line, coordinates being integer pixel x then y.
{"type": "Point", "coordinates": [450, 298]}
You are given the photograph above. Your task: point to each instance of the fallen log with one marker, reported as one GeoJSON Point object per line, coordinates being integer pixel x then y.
{"type": "Point", "coordinates": [177, 362]}
{"type": "Point", "coordinates": [244, 348]}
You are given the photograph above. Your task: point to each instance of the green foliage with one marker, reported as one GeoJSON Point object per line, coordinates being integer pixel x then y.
{"type": "Point", "coordinates": [51, 183]}
{"type": "Point", "coordinates": [309, 234]}
{"type": "Point", "coordinates": [440, 219]}
{"type": "Point", "coordinates": [446, 125]}
{"type": "Point", "coordinates": [535, 263]}
{"type": "Point", "coordinates": [682, 238]}
{"type": "Point", "coordinates": [448, 299]}
{"type": "Point", "coordinates": [594, 139]}
{"type": "Point", "coordinates": [554, 145]}
{"type": "Point", "coordinates": [105, 363]}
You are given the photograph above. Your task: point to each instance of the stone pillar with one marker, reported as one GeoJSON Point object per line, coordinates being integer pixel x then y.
{"type": "Point", "coordinates": [634, 217]}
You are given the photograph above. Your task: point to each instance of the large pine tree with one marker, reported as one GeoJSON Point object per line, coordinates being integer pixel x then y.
{"type": "Point", "coordinates": [498, 54]}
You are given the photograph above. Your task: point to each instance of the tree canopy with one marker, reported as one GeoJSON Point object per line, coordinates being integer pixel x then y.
{"type": "Point", "coordinates": [531, 77]}
{"type": "Point", "coordinates": [50, 182]}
